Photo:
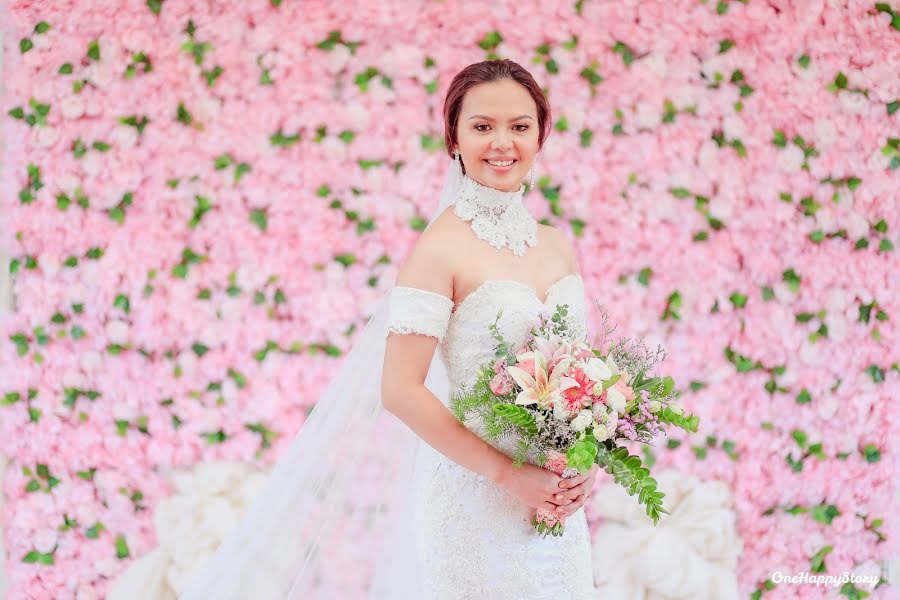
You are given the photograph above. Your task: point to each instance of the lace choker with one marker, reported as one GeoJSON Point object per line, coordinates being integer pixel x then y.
{"type": "Point", "coordinates": [497, 217]}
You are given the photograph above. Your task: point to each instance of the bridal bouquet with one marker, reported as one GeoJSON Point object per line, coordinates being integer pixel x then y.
{"type": "Point", "coordinates": [568, 405]}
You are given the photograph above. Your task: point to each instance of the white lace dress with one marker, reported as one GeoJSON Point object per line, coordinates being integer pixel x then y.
{"type": "Point", "coordinates": [474, 539]}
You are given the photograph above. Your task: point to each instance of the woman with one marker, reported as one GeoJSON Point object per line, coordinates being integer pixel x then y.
{"type": "Point", "coordinates": [474, 537]}
{"type": "Point", "coordinates": [364, 504]}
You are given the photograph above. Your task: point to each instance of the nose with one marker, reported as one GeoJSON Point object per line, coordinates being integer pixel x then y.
{"type": "Point", "coordinates": [501, 140]}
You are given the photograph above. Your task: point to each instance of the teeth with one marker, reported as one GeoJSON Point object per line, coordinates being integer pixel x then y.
{"type": "Point", "coordinates": [504, 163]}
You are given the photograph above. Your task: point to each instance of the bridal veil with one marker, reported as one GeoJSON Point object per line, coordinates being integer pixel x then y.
{"type": "Point", "coordinates": [332, 519]}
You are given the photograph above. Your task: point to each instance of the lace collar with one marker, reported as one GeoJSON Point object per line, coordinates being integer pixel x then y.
{"type": "Point", "coordinates": [497, 217]}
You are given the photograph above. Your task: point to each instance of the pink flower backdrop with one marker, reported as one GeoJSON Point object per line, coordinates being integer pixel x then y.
{"type": "Point", "coordinates": [203, 201]}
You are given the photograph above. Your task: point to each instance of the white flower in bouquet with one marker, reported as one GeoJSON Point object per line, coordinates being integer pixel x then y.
{"type": "Point", "coordinates": [597, 370]}
{"type": "Point", "coordinates": [559, 409]}
{"type": "Point", "coordinates": [583, 420]}
{"type": "Point", "coordinates": [613, 367]}
{"type": "Point", "coordinates": [600, 414]}
{"type": "Point", "coordinates": [615, 399]}
{"type": "Point", "coordinates": [607, 420]}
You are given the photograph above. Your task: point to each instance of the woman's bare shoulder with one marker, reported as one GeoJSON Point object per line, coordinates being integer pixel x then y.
{"type": "Point", "coordinates": [440, 235]}
{"type": "Point", "coordinates": [432, 260]}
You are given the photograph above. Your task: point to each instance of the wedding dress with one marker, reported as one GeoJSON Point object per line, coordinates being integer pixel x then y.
{"type": "Point", "coordinates": [474, 539]}
{"type": "Point", "coordinates": [358, 506]}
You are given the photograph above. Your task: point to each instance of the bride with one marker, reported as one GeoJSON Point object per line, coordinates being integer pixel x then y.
{"type": "Point", "coordinates": [409, 502]}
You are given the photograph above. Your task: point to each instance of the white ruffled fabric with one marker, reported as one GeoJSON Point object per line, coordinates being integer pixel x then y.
{"type": "Point", "coordinates": [691, 554]}
{"type": "Point", "coordinates": [190, 524]}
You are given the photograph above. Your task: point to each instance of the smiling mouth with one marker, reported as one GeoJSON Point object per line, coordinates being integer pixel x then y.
{"type": "Point", "coordinates": [506, 164]}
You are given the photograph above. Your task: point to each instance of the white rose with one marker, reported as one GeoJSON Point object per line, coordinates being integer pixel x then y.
{"type": "Point", "coordinates": [615, 400]}
{"type": "Point", "coordinates": [559, 410]}
{"type": "Point", "coordinates": [581, 422]}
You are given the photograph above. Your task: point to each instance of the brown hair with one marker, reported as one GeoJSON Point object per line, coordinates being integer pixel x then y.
{"type": "Point", "coordinates": [483, 72]}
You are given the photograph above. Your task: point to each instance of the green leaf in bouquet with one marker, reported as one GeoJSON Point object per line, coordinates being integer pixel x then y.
{"type": "Point", "coordinates": [480, 399]}
{"type": "Point", "coordinates": [517, 415]}
{"type": "Point", "coordinates": [665, 387]}
{"type": "Point", "coordinates": [687, 422]}
{"type": "Point", "coordinates": [627, 471]}
{"type": "Point", "coordinates": [641, 383]}
{"type": "Point", "coordinates": [582, 454]}
{"type": "Point", "coordinates": [611, 381]}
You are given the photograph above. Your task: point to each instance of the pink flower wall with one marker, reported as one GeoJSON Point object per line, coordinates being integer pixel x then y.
{"type": "Point", "coordinates": [203, 201]}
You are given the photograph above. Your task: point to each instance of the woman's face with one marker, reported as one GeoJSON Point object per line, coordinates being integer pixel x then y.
{"type": "Point", "coordinates": [497, 121]}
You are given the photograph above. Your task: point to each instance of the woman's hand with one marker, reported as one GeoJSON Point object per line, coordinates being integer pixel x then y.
{"type": "Point", "coordinates": [577, 491]}
{"type": "Point", "coordinates": [532, 485]}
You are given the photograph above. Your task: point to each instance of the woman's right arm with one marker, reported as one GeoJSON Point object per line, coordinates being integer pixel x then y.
{"type": "Point", "coordinates": [407, 359]}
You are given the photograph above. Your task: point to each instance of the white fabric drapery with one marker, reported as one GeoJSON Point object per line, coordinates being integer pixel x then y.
{"type": "Point", "coordinates": [691, 554]}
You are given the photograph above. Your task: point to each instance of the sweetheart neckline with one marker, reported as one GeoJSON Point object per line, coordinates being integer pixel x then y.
{"type": "Point", "coordinates": [533, 291]}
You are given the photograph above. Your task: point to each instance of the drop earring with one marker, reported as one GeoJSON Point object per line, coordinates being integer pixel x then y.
{"type": "Point", "coordinates": [531, 170]}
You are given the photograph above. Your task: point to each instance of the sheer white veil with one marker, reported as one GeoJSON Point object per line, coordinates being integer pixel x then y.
{"type": "Point", "coordinates": [334, 518]}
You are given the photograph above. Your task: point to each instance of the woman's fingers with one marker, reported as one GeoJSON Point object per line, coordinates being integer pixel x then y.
{"type": "Point", "coordinates": [573, 493]}
{"type": "Point", "coordinates": [579, 479]}
{"type": "Point", "coordinates": [570, 509]}
{"type": "Point", "coordinates": [570, 483]}
{"type": "Point", "coordinates": [559, 500]}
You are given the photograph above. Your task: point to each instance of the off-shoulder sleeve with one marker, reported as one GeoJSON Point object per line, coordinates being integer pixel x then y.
{"type": "Point", "coordinates": [412, 310]}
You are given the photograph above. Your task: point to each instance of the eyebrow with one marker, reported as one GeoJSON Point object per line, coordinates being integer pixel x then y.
{"type": "Point", "coordinates": [490, 119]}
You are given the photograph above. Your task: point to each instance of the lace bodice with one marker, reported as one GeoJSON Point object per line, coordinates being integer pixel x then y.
{"type": "Point", "coordinates": [466, 343]}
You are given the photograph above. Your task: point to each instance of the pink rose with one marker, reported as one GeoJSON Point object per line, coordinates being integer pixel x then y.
{"type": "Point", "coordinates": [625, 390]}
{"type": "Point", "coordinates": [556, 462]}
{"type": "Point", "coordinates": [502, 383]}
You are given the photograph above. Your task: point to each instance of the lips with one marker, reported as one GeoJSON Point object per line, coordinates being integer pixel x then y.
{"type": "Point", "coordinates": [497, 169]}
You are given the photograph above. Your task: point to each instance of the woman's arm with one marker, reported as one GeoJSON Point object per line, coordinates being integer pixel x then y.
{"type": "Point", "coordinates": [407, 359]}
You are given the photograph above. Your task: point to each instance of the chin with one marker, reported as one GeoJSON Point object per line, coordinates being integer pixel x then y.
{"type": "Point", "coordinates": [506, 181]}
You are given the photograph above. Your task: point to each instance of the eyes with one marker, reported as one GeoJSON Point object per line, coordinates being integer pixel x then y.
{"type": "Point", "coordinates": [523, 125]}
